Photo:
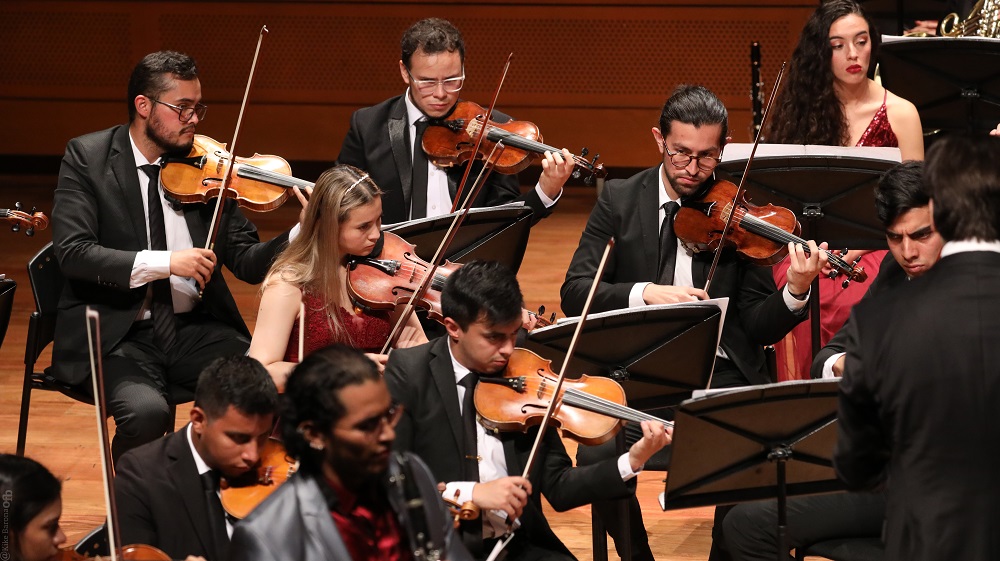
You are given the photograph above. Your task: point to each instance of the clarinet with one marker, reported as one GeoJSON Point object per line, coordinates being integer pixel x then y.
{"type": "Point", "coordinates": [421, 522]}
{"type": "Point", "coordinates": [756, 91]}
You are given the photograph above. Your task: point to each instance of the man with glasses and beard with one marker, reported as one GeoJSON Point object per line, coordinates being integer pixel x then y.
{"type": "Point", "coordinates": [129, 251]}
{"type": "Point", "coordinates": [384, 139]}
{"type": "Point", "coordinates": [348, 499]}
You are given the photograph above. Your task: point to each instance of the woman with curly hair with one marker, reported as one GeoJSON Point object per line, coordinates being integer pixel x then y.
{"type": "Point", "coordinates": [829, 98]}
{"type": "Point", "coordinates": [344, 218]}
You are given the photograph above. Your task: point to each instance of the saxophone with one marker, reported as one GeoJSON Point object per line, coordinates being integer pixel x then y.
{"type": "Point", "coordinates": [983, 21]}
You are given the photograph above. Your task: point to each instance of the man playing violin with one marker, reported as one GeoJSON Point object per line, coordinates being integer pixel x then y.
{"type": "Point", "coordinates": [129, 252]}
{"type": "Point", "coordinates": [435, 382]}
{"type": "Point", "coordinates": [352, 498]}
{"type": "Point", "coordinates": [384, 139]}
{"type": "Point", "coordinates": [168, 490]}
{"type": "Point", "coordinates": [643, 271]}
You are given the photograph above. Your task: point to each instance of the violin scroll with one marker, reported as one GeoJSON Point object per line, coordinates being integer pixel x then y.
{"type": "Point", "coordinates": [31, 220]}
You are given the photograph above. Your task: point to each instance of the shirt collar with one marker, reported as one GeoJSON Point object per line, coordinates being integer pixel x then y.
{"type": "Point", "coordinates": [198, 462]}
{"type": "Point", "coordinates": [963, 246]}
{"type": "Point", "coordinates": [413, 113]}
{"type": "Point", "coordinates": [460, 370]}
{"type": "Point", "coordinates": [140, 160]}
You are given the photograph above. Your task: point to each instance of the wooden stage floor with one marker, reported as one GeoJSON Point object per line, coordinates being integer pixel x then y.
{"type": "Point", "coordinates": [61, 432]}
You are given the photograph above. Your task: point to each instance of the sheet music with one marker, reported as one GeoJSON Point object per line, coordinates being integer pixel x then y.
{"type": "Point", "coordinates": [478, 210]}
{"type": "Point", "coordinates": [741, 151]}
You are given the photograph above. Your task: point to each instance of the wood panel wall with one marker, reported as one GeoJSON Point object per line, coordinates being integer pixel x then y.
{"type": "Point", "coordinates": [589, 73]}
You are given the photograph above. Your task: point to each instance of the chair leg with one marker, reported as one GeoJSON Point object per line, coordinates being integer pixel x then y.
{"type": "Point", "coordinates": [599, 535]}
{"type": "Point", "coordinates": [22, 426]}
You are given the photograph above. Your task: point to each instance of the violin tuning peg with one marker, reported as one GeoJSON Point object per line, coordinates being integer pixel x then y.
{"type": "Point", "coordinates": [33, 210]}
{"type": "Point", "coordinates": [552, 318]}
{"type": "Point", "coordinates": [583, 152]}
{"type": "Point", "coordinates": [594, 161]}
{"type": "Point", "coordinates": [17, 205]}
{"type": "Point", "coordinates": [541, 309]}
{"type": "Point", "coordinates": [575, 174]}
{"type": "Point", "coordinates": [30, 232]}
{"type": "Point", "coordinates": [15, 228]}
{"type": "Point", "coordinates": [846, 282]}
{"type": "Point", "coordinates": [589, 181]}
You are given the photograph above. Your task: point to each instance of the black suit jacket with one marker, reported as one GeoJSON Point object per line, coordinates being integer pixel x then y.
{"type": "Point", "coordinates": [422, 379]}
{"type": "Point", "coordinates": [294, 523]}
{"type": "Point", "coordinates": [98, 227]}
{"type": "Point", "coordinates": [890, 275]}
{"type": "Point", "coordinates": [161, 501]}
{"type": "Point", "coordinates": [628, 210]}
{"type": "Point", "coordinates": [379, 142]}
{"type": "Point", "coordinates": [918, 409]}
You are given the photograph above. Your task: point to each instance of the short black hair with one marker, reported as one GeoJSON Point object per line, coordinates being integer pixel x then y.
{"type": "Point", "coordinates": [151, 77]}
{"type": "Point", "coordinates": [431, 35]}
{"type": "Point", "coordinates": [697, 106]}
{"type": "Point", "coordinates": [240, 381]}
{"type": "Point", "coordinates": [899, 190]}
{"type": "Point", "coordinates": [964, 182]}
{"type": "Point", "coordinates": [312, 394]}
{"type": "Point", "coordinates": [482, 289]}
{"type": "Point", "coordinates": [26, 488]}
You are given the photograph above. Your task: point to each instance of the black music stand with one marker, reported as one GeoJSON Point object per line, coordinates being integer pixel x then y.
{"type": "Point", "coordinates": [659, 354]}
{"type": "Point", "coordinates": [953, 81]}
{"type": "Point", "coordinates": [492, 234]}
{"type": "Point", "coordinates": [725, 442]}
{"type": "Point", "coordinates": [830, 189]}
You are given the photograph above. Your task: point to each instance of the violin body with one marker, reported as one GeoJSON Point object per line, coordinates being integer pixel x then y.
{"type": "Point", "coordinates": [451, 141]}
{"type": "Point", "coordinates": [240, 496]}
{"type": "Point", "coordinates": [699, 224]}
{"type": "Point", "coordinates": [138, 552]}
{"type": "Point", "coordinates": [198, 177]}
{"type": "Point", "coordinates": [518, 401]}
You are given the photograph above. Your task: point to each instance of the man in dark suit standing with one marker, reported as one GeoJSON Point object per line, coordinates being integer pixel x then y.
{"type": "Point", "coordinates": [352, 498]}
{"type": "Point", "coordinates": [384, 139]}
{"type": "Point", "coordinates": [920, 390]}
{"type": "Point", "coordinates": [649, 265]}
{"type": "Point", "coordinates": [168, 490]}
{"type": "Point", "coordinates": [435, 383]}
{"type": "Point", "coordinates": [134, 255]}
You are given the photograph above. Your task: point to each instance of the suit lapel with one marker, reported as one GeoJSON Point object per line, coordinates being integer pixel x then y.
{"type": "Point", "coordinates": [649, 199]}
{"type": "Point", "coordinates": [127, 179]}
{"type": "Point", "coordinates": [317, 521]}
{"type": "Point", "coordinates": [184, 475]}
{"type": "Point", "coordinates": [444, 378]}
{"type": "Point", "coordinates": [398, 128]}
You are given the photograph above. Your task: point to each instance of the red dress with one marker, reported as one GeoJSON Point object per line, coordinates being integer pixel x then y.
{"type": "Point", "coordinates": [367, 332]}
{"type": "Point", "coordinates": [794, 352]}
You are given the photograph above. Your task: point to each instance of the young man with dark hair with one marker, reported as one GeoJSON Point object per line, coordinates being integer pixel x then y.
{"type": "Point", "coordinates": [167, 490]}
{"type": "Point", "coordinates": [919, 395]}
{"type": "Point", "coordinates": [347, 501]}
{"type": "Point", "coordinates": [435, 383]}
{"type": "Point", "coordinates": [384, 139]}
{"type": "Point", "coordinates": [129, 252]}
{"type": "Point", "coordinates": [638, 212]}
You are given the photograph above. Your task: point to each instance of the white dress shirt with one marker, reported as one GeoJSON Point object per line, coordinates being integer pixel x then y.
{"type": "Point", "coordinates": [203, 468]}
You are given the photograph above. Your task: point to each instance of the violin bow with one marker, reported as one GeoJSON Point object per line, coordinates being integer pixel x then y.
{"type": "Point", "coordinates": [558, 387]}
{"type": "Point", "coordinates": [213, 230]}
{"type": "Point", "coordinates": [100, 407]}
{"type": "Point", "coordinates": [456, 222]}
{"type": "Point", "coordinates": [742, 186]}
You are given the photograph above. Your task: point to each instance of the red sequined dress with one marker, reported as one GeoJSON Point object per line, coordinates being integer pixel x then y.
{"type": "Point", "coordinates": [367, 332]}
{"type": "Point", "coordinates": [794, 352]}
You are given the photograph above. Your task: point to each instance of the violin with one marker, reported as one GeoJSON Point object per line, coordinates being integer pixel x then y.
{"type": "Point", "coordinates": [242, 494]}
{"type": "Point", "coordinates": [451, 141]}
{"type": "Point", "coordinates": [591, 409]}
{"type": "Point", "coordinates": [760, 234]}
{"type": "Point", "coordinates": [259, 183]}
{"type": "Point", "coordinates": [393, 273]}
{"type": "Point", "coordinates": [128, 553]}
{"type": "Point", "coordinates": [33, 220]}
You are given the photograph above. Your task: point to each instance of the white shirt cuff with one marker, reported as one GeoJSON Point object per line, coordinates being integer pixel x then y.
{"type": "Point", "coordinates": [545, 198]}
{"type": "Point", "coordinates": [828, 365]}
{"type": "Point", "coordinates": [625, 468]}
{"type": "Point", "coordinates": [149, 266]}
{"type": "Point", "coordinates": [463, 488]}
{"type": "Point", "coordinates": [793, 303]}
{"type": "Point", "coordinates": [635, 295]}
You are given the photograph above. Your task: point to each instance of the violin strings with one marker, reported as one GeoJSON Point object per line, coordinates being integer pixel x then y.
{"type": "Point", "coordinates": [587, 401]}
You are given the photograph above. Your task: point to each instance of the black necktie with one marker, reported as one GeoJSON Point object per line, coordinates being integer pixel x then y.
{"type": "Point", "coordinates": [216, 516]}
{"type": "Point", "coordinates": [471, 457]}
{"type": "Point", "coordinates": [418, 190]}
{"type": "Point", "coordinates": [162, 305]}
{"type": "Point", "coordinates": [668, 244]}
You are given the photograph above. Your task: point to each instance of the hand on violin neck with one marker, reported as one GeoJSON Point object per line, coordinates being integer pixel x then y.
{"type": "Point", "coordinates": [655, 436]}
{"type": "Point", "coordinates": [557, 167]}
{"type": "Point", "coordinates": [303, 200]}
{"type": "Point", "coordinates": [508, 494]}
{"type": "Point", "coordinates": [849, 256]}
{"type": "Point", "coordinates": [804, 269]}
{"type": "Point", "coordinates": [667, 294]}
{"type": "Point", "coordinates": [195, 263]}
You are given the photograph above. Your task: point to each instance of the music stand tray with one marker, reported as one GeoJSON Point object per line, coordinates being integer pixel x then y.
{"type": "Point", "coordinates": [953, 81]}
{"type": "Point", "coordinates": [492, 234]}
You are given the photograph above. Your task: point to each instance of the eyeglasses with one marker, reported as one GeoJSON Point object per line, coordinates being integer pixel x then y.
{"type": "Point", "coordinates": [450, 85]}
{"type": "Point", "coordinates": [184, 113]}
{"type": "Point", "coordinates": [372, 426]}
{"type": "Point", "coordinates": [680, 160]}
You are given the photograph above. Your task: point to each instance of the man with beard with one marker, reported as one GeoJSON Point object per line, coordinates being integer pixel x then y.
{"type": "Point", "coordinates": [135, 256]}
{"type": "Point", "coordinates": [167, 490]}
{"type": "Point", "coordinates": [347, 499]}
{"type": "Point", "coordinates": [649, 265]}
{"type": "Point", "coordinates": [435, 383]}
